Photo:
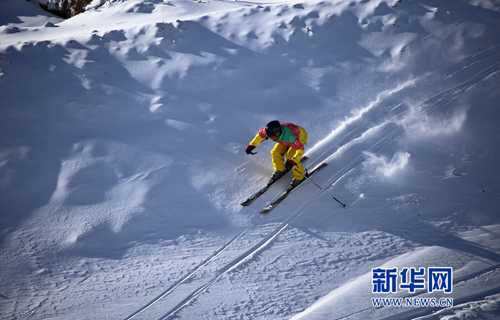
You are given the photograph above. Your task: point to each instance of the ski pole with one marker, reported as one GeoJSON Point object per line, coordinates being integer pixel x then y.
{"type": "Point", "coordinates": [343, 204]}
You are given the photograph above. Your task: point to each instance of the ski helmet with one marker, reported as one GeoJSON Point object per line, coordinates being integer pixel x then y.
{"type": "Point", "coordinates": [273, 130]}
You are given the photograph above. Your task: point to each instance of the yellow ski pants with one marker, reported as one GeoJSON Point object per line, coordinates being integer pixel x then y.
{"type": "Point", "coordinates": [278, 154]}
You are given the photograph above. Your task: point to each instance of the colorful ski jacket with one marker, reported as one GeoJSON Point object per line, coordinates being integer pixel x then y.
{"type": "Point", "coordinates": [291, 136]}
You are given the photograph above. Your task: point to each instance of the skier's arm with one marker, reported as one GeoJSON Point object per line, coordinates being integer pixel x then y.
{"type": "Point", "coordinates": [298, 155]}
{"type": "Point", "coordinates": [258, 138]}
{"type": "Point", "coordinates": [298, 146]}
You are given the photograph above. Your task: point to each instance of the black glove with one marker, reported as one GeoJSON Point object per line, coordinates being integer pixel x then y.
{"type": "Point", "coordinates": [249, 149]}
{"type": "Point", "coordinates": [289, 164]}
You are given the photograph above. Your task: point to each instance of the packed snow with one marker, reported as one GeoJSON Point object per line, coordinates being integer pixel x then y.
{"type": "Point", "coordinates": [123, 165]}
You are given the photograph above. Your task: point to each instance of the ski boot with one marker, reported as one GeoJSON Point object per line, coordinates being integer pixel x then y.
{"type": "Point", "coordinates": [293, 184]}
{"type": "Point", "coordinates": [275, 177]}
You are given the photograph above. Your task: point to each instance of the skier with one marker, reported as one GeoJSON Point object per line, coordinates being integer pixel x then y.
{"type": "Point", "coordinates": [290, 141]}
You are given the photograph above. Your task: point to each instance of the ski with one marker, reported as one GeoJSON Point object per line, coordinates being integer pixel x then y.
{"type": "Point", "coordinates": [257, 194]}
{"type": "Point", "coordinates": [286, 193]}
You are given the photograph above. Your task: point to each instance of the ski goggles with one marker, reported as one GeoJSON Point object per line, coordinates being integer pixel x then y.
{"type": "Point", "coordinates": [274, 138]}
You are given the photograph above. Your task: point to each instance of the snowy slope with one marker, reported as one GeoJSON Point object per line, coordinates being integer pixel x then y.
{"type": "Point", "coordinates": [122, 164]}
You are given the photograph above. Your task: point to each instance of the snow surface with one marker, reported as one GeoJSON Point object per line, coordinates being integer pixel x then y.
{"type": "Point", "coordinates": [122, 160]}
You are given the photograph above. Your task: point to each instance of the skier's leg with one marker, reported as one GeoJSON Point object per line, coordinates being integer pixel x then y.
{"type": "Point", "coordinates": [278, 157]}
{"type": "Point", "coordinates": [297, 154]}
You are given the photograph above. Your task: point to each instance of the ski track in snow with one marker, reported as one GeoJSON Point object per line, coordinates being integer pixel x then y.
{"type": "Point", "coordinates": [188, 275]}
{"type": "Point", "coordinates": [428, 106]}
{"type": "Point", "coordinates": [384, 109]}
